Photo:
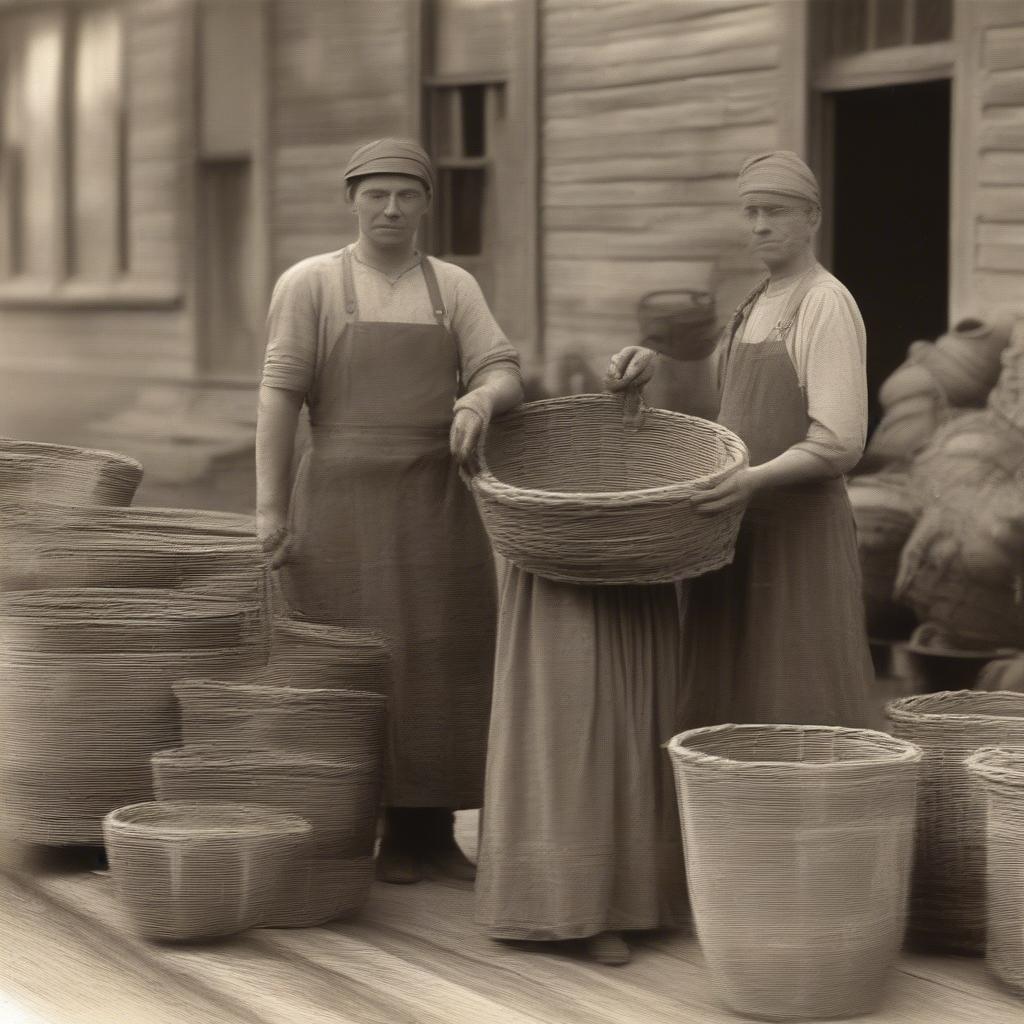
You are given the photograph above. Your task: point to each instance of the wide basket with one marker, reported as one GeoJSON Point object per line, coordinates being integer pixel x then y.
{"type": "Point", "coordinates": [188, 870]}
{"type": "Point", "coordinates": [799, 844]}
{"type": "Point", "coordinates": [34, 471]}
{"type": "Point", "coordinates": [596, 489]}
{"type": "Point", "coordinates": [948, 904]}
{"type": "Point", "coordinates": [346, 725]}
{"type": "Point", "coordinates": [1001, 776]}
{"type": "Point", "coordinates": [340, 800]}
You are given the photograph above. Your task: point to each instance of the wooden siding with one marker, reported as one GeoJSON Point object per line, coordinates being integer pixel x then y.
{"type": "Point", "coordinates": [988, 205]}
{"type": "Point", "coordinates": [342, 74]}
{"type": "Point", "coordinates": [649, 108]}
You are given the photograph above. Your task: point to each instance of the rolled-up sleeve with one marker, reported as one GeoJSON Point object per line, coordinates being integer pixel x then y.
{"type": "Point", "coordinates": [829, 349]}
{"type": "Point", "coordinates": [292, 327]}
{"type": "Point", "coordinates": [482, 343]}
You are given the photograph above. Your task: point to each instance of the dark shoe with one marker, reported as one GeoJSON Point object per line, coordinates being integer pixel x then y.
{"type": "Point", "coordinates": [397, 865]}
{"type": "Point", "coordinates": [608, 948]}
{"type": "Point", "coordinates": [451, 862]}
{"type": "Point", "coordinates": [438, 845]}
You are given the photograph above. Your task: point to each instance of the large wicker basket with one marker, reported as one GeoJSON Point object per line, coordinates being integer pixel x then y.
{"type": "Point", "coordinates": [346, 725]}
{"type": "Point", "coordinates": [188, 870]}
{"type": "Point", "coordinates": [596, 489]}
{"type": "Point", "coordinates": [948, 905]}
{"type": "Point", "coordinates": [316, 891]}
{"type": "Point", "coordinates": [799, 844]}
{"type": "Point", "coordinates": [1001, 775]}
{"type": "Point", "coordinates": [340, 800]}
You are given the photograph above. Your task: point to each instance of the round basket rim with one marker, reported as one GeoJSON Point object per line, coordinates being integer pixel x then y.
{"type": "Point", "coordinates": [901, 751]}
{"type": "Point", "coordinates": [43, 448]}
{"type": "Point", "coordinates": [903, 709]}
{"type": "Point", "coordinates": [243, 759]}
{"type": "Point", "coordinates": [286, 694]}
{"type": "Point", "coordinates": [998, 766]}
{"type": "Point", "coordinates": [492, 487]}
{"type": "Point", "coordinates": [266, 820]}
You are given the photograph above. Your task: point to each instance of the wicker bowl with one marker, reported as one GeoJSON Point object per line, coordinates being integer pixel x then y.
{"type": "Point", "coordinates": [187, 870]}
{"type": "Point", "coordinates": [37, 471]}
{"type": "Point", "coordinates": [595, 489]}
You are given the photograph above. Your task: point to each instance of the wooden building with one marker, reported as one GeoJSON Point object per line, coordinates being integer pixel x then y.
{"type": "Point", "coordinates": [162, 161]}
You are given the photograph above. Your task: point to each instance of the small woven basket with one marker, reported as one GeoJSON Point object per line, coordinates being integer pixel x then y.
{"type": "Point", "coordinates": [188, 870]}
{"type": "Point", "coordinates": [33, 471]}
{"type": "Point", "coordinates": [340, 800]}
{"type": "Point", "coordinates": [315, 892]}
{"type": "Point", "coordinates": [343, 725]}
{"type": "Point", "coordinates": [799, 844]}
{"type": "Point", "coordinates": [679, 323]}
{"type": "Point", "coordinates": [596, 489]}
{"type": "Point", "coordinates": [948, 905]}
{"type": "Point", "coordinates": [1001, 776]}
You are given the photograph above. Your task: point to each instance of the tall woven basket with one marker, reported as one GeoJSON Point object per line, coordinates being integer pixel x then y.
{"type": "Point", "coordinates": [948, 906]}
{"type": "Point", "coordinates": [345, 725]}
{"type": "Point", "coordinates": [799, 843]}
{"type": "Point", "coordinates": [187, 870]}
{"type": "Point", "coordinates": [1000, 774]}
{"type": "Point", "coordinates": [596, 489]}
{"type": "Point", "coordinates": [33, 471]}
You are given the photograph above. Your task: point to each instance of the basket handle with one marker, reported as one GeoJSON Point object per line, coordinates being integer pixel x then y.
{"type": "Point", "coordinates": [634, 408]}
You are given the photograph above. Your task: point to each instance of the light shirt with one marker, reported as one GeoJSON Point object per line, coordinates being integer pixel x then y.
{"type": "Point", "coordinates": [307, 314]}
{"type": "Point", "coordinates": [828, 347]}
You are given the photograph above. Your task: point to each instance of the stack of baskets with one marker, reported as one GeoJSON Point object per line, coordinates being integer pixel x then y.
{"type": "Point", "coordinates": [799, 844]}
{"type": "Point", "coordinates": [949, 900]}
{"type": "Point", "coordinates": [596, 489]}
{"type": "Point", "coordinates": [87, 695]}
{"type": "Point", "coordinates": [31, 471]}
{"type": "Point", "coordinates": [47, 545]}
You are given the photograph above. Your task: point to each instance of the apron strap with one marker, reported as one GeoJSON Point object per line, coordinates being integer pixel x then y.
{"type": "Point", "coordinates": [742, 310]}
{"type": "Point", "coordinates": [349, 284]}
{"type": "Point", "coordinates": [434, 291]}
{"type": "Point", "coordinates": [785, 325]}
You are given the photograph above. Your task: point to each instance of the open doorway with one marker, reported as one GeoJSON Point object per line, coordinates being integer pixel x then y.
{"type": "Point", "coordinates": [890, 215]}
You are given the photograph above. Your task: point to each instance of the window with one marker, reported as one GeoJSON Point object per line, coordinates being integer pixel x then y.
{"type": "Point", "coordinates": [462, 129]}
{"type": "Point", "coordinates": [62, 147]}
{"type": "Point", "coordinates": [858, 26]}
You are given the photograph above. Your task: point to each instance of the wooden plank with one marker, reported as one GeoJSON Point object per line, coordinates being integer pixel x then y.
{"type": "Point", "coordinates": [695, 244]}
{"type": "Point", "coordinates": [748, 138]}
{"type": "Point", "coordinates": [1003, 89]}
{"type": "Point", "coordinates": [1001, 257]}
{"type": "Point", "coordinates": [1003, 48]}
{"type": "Point", "coordinates": [721, 190]}
{"type": "Point", "coordinates": [1000, 204]}
{"type": "Point", "coordinates": [893, 65]}
{"type": "Point", "coordinates": [638, 219]}
{"type": "Point", "coordinates": [998, 167]}
{"type": "Point", "coordinates": [1004, 135]}
{"type": "Point", "coordinates": [991, 233]}
{"type": "Point", "coordinates": [998, 288]}
{"type": "Point", "coordinates": [691, 166]}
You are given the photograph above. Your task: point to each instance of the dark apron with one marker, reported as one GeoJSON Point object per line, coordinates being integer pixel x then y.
{"type": "Point", "coordinates": [779, 635]}
{"type": "Point", "coordinates": [387, 536]}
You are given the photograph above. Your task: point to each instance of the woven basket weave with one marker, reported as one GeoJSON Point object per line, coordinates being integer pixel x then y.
{"type": "Point", "coordinates": [948, 905]}
{"type": "Point", "coordinates": [595, 489]}
{"type": "Point", "coordinates": [1001, 776]}
{"type": "Point", "coordinates": [32, 471]}
{"type": "Point", "coordinates": [799, 843]}
{"type": "Point", "coordinates": [343, 725]}
{"type": "Point", "coordinates": [187, 870]}
{"type": "Point", "coordinates": [341, 800]}
{"type": "Point", "coordinates": [317, 891]}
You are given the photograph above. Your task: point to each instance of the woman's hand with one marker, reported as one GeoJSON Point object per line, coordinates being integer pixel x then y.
{"type": "Point", "coordinates": [274, 538]}
{"type": "Point", "coordinates": [467, 428]}
{"type": "Point", "coordinates": [733, 492]}
{"type": "Point", "coordinates": [632, 367]}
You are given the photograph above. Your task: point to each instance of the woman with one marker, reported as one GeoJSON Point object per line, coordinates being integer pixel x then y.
{"type": "Point", "coordinates": [401, 365]}
{"type": "Point", "coordinates": [779, 635]}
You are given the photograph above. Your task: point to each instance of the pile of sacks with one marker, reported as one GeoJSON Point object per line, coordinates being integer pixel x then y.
{"type": "Point", "coordinates": [939, 499]}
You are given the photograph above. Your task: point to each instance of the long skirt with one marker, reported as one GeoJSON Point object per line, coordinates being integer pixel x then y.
{"type": "Point", "coordinates": [580, 830]}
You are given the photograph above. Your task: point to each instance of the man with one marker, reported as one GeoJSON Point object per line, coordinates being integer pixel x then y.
{"type": "Point", "coordinates": [778, 636]}
{"type": "Point", "coordinates": [401, 365]}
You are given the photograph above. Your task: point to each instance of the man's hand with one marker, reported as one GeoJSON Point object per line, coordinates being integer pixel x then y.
{"type": "Point", "coordinates": [274, 538]}
{"type": "Point", "coordinates": [467, 428]}
{"type": "Point", "coordinates": [632, 367]}
{"type": "Point", "coordinates": [733, 492]}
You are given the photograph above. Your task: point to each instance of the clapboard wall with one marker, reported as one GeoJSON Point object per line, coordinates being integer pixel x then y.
{"type": "Point", "coordinates": [649, 108]}
{"type": "Point", "coordinates": [988, 158]}
{"type": "Point", "coordinates": [342, 74]}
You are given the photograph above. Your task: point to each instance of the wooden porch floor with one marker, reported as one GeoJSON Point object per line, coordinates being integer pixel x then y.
{"type": "Point", "coordinates": [414, 957]}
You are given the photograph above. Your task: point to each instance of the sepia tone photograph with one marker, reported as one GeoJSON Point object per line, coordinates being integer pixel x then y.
{"type": "Point", "coordinates": [511, 511]}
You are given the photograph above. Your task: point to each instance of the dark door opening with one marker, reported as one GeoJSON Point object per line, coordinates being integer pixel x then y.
{"type": "Point", "coordinates": [890, 215]}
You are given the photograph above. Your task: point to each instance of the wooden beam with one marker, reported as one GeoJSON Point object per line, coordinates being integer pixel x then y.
{"type": "Point", "coordinates": [894, 65]}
